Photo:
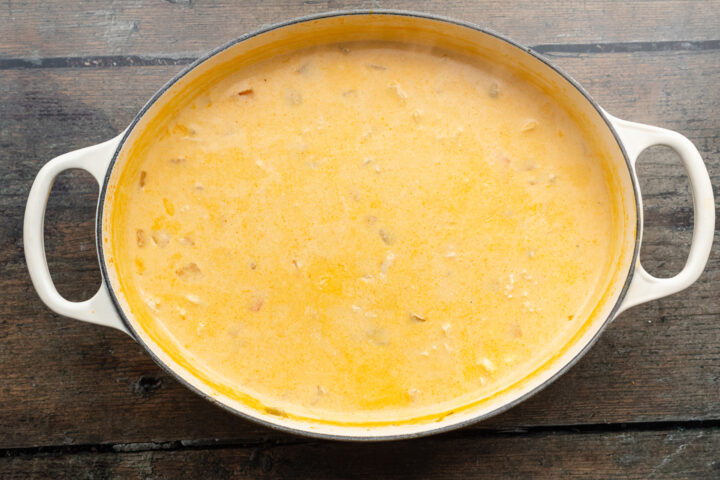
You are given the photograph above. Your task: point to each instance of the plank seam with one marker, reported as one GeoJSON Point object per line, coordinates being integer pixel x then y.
{"type": "Point", "coordinates": [550, 49]}
{"type": "Point", "coordinates": [265, 444]}
{"type": "Point", "coordinates": [627, 47]}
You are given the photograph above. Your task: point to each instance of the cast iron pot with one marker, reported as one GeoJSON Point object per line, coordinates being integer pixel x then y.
{"type": "Point", "coordinates": [622, 140]}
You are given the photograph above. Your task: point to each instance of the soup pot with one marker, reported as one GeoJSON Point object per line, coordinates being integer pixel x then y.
{"type": "Point", "coordinates": [621, 140]}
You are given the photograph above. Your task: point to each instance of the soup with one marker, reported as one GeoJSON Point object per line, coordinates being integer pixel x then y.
{"type": "Point", "coordinates": [365, 232]}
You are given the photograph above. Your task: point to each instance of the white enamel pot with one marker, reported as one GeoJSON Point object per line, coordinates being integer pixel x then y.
{"type": "Point", "coordinates": [623, 141]}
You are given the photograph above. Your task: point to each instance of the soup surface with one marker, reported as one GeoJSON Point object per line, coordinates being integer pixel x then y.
{"type": "Point", "coordinates": [365, 232]}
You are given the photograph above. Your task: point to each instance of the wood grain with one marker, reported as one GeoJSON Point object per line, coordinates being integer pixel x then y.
{"type": "Point", "coordinates": [628, 455]}
{"type": "Point", "coordinates": [189, 27]}
{"type": "Point", "coordinates": [66, 383]}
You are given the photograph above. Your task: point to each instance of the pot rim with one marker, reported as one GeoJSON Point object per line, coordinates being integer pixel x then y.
{"type": "Point", "coordinates": [369, 438]}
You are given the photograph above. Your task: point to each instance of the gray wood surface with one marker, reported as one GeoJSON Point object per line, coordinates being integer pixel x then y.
{"type": "Point", "coordinates": [178, 28]}
{"type": "Point", "coordinates": [81, 400]}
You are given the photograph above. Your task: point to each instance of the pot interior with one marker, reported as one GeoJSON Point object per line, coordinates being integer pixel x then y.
{"type": "Point", "coordinates": [407, 29]}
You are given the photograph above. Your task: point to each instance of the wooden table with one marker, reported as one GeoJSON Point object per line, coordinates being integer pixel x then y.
{"type": "Point", "coordinates": [80, 401]}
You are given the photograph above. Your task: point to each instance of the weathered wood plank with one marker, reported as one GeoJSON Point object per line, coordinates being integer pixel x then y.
{"type": "Point", "coordinates": [628, 455]}
{"type": "Point", "coordinates": [64, 382]}
{"type": "Point", "coordinates": [147, 27]}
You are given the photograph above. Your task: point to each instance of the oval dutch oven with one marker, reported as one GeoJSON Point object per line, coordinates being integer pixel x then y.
{"type": "Point", "coordinates": [624, 141]}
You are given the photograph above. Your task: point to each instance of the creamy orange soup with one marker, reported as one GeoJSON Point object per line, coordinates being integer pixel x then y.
{"type": "Point", "coordinates": [365, 232]}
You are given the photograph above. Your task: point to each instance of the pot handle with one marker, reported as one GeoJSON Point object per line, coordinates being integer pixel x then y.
{"type": "Point", "coordinates": [636, 137]}
{"type": "Point", "coordinates": [99, 309]}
